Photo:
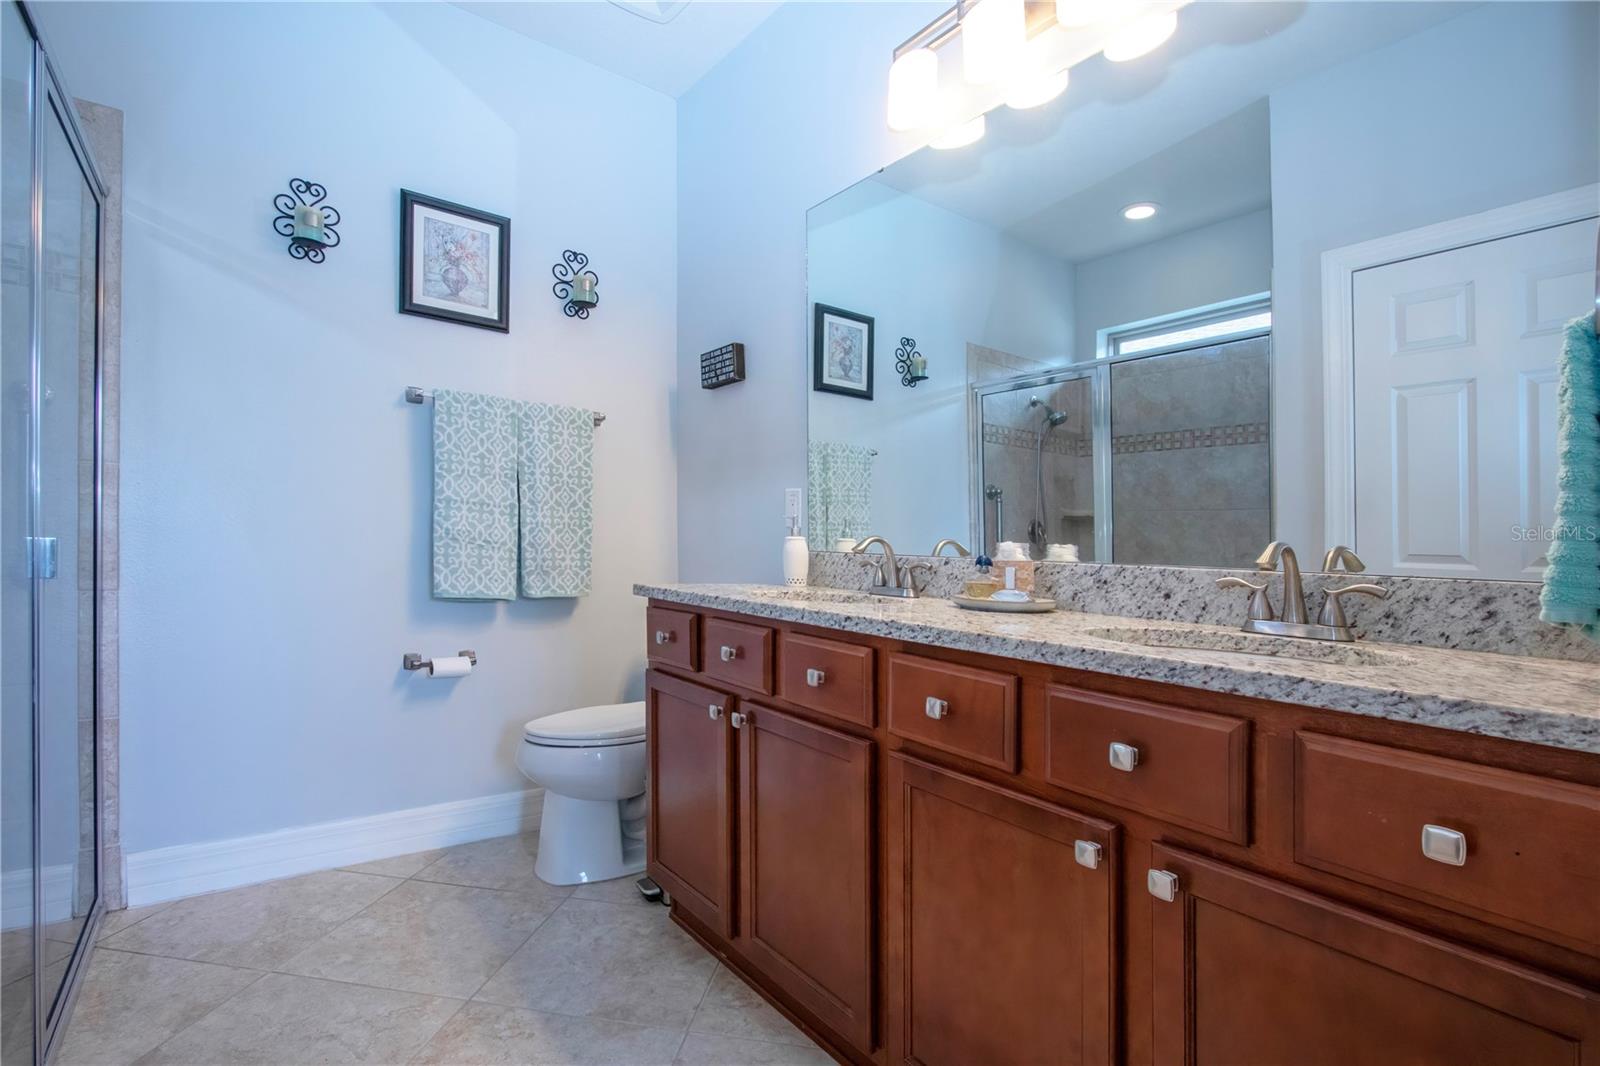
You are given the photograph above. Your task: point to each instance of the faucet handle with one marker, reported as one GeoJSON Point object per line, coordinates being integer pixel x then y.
{"type": "Point", "coordinates": [1260, 605]}
{"type": "Point", "coordinates": [911, 571]}
{"type": "Point", "coordinates": [1332, 613]}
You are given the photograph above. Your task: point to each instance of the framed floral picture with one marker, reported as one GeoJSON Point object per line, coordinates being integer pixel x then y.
{"type": "Point", "coordinates": [841, 352]}
{"type": "Point", "coordinates": [455, 262]}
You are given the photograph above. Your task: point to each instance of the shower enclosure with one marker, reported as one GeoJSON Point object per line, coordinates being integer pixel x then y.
{"type": "Point", "coordinates": [1156, 451]}
{"type": "Point", "coordinates": [51, 203]}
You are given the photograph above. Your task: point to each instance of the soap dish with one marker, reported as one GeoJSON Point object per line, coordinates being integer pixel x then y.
{"type": "Point", "coordinates": [1003, 607]}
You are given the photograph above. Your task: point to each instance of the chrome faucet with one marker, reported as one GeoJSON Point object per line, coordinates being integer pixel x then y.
{"type": "Point", "coordinates": [961, 549]}
{"type": "Point", "coordinates": [1294, 592]}
{"type": "Point", "coordinates": [889, 580]}
{"type": "Point", "coordinates": [1330, 624]}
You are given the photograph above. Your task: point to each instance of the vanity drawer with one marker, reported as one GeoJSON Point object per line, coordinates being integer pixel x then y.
{"type": "Point", "coordinates": [958, 709]}
{"type": "Point", "coordinates": [672, 637]}
{"type": "Point", "coordinates": [1522, 841]}
{"type": "Point", "coordinates": [739, 653]}
{"type": "Point", "coordinates": [1190, 768]}
{"type": "Point", "coordinates": [827, 676]}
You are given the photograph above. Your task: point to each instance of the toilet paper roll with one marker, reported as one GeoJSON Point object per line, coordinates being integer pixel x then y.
{"type": "Point", "coordinates": [450, 666]}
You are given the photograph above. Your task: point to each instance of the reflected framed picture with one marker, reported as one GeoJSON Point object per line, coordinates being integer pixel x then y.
{"type": "Point", "coordinates": [841, 352]}
{"type": "Point", "coordinates": [455, 262]}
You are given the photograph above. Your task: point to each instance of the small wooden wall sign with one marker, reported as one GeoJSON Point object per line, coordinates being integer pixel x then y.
{"type": "Point", "coordinates": [722, 366]}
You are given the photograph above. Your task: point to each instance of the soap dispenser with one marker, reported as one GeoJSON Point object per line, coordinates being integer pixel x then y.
{"type": "Point", "coordinates": [796, 556]}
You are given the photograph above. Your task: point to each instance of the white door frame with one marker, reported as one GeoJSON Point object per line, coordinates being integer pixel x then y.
{"type": "Point", "coordinates": [1339, 266]}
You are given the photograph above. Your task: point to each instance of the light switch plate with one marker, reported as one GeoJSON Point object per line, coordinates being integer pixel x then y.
{"type": "Point", "coordinates": [791, 503]}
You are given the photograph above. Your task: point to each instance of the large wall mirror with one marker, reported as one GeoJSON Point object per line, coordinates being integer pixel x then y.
{"type": "Point", "coordinates": [1299, 274]}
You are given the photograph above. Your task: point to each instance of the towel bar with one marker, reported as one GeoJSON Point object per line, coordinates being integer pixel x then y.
{"type": "Point", "coordinates": [416, 395]}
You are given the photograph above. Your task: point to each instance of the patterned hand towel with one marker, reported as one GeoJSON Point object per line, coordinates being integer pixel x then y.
{"type": "Point", "coordinates": [1571, 593]}
{"type": "Point", "coordinates": [474, 496]}
{"type": "Point", "coordinates": [555, 471]}
{"type": "Point", "coordinates": [838, 492]}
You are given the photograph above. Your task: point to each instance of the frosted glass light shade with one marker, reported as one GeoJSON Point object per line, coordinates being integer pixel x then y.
{"type": "Point", "coordinates": [1036, 89]}
{"type": "Point", "coordinates": [913, 89]}
{"type": "Point", "coordinates": [1075, 14]}
{"type": "Point", "coordinates": [1140, 37]}
{"type": "Point", "coordinates": [960, 135]}
{"type": "Point", "coordinates": [993, 35]}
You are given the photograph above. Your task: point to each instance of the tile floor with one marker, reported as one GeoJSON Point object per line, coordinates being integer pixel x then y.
{"type": "Point", "coordinates": [453, 956]}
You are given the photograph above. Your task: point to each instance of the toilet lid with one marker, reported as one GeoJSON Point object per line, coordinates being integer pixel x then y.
{"type": "Point", "coordinates": [611, 724]}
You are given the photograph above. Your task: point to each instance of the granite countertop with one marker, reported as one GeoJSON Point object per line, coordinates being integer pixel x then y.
{"type": "Point", "coordinates": [1537, 701]}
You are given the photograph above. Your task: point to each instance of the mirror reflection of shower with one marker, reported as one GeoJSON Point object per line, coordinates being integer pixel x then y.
{"type": "Point", "coordinates": [1039, 527]}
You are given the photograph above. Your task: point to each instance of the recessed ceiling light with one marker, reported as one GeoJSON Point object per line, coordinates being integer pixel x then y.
{"type": "Point", "coordinates": [1139, 212]}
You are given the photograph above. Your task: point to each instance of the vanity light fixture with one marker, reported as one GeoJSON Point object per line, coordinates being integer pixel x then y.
{"type": "Point", "coordinates": [1036, 90]}
{"type": "Point", "coordinates": [993, 35]}
{"type": "Point", "coordinates": [1076, 14]}
{"type": "Point", "coordinates": [1140, 211]}
{"type": "Point", "coordinates": [1140, 37]}
{"type": "Point", "coordinates": [960, 136]}
{"type": "Point", "coordinates": [913, 89]}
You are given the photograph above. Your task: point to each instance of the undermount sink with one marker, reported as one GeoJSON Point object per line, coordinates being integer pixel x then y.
{"type": "Point", "coordinates": [1254, 645]}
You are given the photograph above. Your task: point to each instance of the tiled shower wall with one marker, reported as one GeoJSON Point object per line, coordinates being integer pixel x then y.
{"type": "Point", "coordinates": [102, 127]}
{"type": "Point", "coordinates": [1191, 484]}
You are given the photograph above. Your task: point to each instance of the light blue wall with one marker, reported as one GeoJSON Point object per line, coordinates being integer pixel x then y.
{"type": "Point", "coordinates": [276, 489]}
{"type": "Point", "coordinates": [943, 280]}
{"type": "Point", "coordinates": [790, 117]}
{"type": "Point", "coordinates": [1497, 106]}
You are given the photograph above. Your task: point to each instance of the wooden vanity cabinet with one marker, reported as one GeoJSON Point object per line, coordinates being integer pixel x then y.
{"type": "Point", "coordinates": [928, 857]}
{"type": "Point", "coordinates": [1249, 970]}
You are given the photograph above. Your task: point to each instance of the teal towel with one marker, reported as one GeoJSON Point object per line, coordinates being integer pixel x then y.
{"type": "Point", "coordinates": [555, 473]}
{"type": "Point", "coordinates": [474, 496]}
{"type": "Point", "coordinates": [1571, 594]}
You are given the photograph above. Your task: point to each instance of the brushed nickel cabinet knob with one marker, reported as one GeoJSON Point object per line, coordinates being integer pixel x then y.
{"type": "Point", "coordinates": [1443, 844]}
{"type": "Point", "coordinates": [1163, 884]}
{"type": "Point", "coordinates": [1124, 757]}
{"type": "Point", "coordinates": [936, 708]}
{"type": "Point", "coordinates": [815, 678]}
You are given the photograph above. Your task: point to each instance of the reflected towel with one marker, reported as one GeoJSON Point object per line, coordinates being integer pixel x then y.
{"type": "Point", "coordinates": [474, 496]}
{"type": "Point", "coordinates": [555, 473]}
{"type": "Point", "coordinates": [1571, 593]}
{"type": "Point", "coordinates": [839, 492]}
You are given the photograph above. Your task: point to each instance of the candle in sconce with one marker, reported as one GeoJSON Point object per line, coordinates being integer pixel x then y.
{"type": "Point", "coordinates": [919, 366]}
{"type": "Point", "coordinates": [308, 227]}
{"type": "Point", "coordinates": [583, 293]}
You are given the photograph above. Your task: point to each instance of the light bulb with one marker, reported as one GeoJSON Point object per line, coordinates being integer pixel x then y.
{"type": "Point", "coordinates": [1139, 212]}
{"type": "Point", "coordinates": [992, 37]}
{"type": "Point", "coordinates": [960, 135]}
{"type": "Point", "coordinates": [1036, 89]}
{"type": "Point", "coordinates": [1075, 14]}
{"type": "Point", "coordinates": [1141, 36]}
{"type": "Point", "coordinates": [913, 89]}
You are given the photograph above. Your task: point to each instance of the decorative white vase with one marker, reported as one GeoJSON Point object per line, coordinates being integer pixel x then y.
{"type": "Point", "coordinates": [796, 561]}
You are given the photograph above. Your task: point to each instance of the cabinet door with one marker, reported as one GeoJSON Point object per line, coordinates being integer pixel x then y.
{"type": "Point", "coordinates": [805, 818]}
{"type": "Point", "coordinates": [1001, 921]}
{"type": "Point", "coordinates": [1250, 970]}
{"type": "Point", "coordinates": [691, 797]}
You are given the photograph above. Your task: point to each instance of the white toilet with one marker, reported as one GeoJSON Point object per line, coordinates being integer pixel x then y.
{"type": "Point", "coordinates": [591, 762]}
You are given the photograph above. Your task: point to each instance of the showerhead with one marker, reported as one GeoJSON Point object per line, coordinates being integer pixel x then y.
{"type": "Point", "coordinates": [1052, 417]}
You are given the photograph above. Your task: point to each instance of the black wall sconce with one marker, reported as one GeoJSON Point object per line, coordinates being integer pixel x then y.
{"type": "Point", "coordinates": [576, 285]}
{"type": "Point", "coordinates": [913, 366]}
{"type": "Point", "coordinates": [302, 218]}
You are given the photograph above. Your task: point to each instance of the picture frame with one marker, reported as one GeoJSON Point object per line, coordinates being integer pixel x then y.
{"type": "Point", "coordinates": [841, 351]}
{"type": "Point", "coordinates": [455, 262]}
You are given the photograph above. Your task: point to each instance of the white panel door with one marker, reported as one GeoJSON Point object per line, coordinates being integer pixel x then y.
{"type": "Point", "coordinates": [1454, 402]}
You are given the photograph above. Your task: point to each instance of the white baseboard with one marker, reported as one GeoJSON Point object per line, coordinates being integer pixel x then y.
{"type": "Point", "coordinates": [190, 869]}
{"type": "Point", "coordinates": [16, 895]}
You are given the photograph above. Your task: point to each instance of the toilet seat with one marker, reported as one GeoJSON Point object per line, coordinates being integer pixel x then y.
{"type": "Point", "coordinates": [588, 727]}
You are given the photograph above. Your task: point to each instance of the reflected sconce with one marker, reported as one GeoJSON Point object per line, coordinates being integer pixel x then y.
{"type": "Point", "coordinates": [912, 364]}
{"type": "Point", "coordinates": [306, 220]}
{"type": "Point", "coordinates": [576, 285]}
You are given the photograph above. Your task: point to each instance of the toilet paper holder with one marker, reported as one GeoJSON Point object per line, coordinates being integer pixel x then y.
{"type": "Point", "coordinates": [414, 661]}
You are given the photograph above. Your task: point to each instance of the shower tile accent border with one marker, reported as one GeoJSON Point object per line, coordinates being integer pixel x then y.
{"type": "Point", "coordinates": [102, 127]}
{"type": "Point", "coordinates": [1462, 614]}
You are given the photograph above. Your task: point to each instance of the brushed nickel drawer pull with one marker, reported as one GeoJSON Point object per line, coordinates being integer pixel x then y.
{"type": "Point", "coordinates": [665, 636]}
{"type": "Point", "coordinates": [815, 678]}
{"type": "Point", "coordinates": [714, 711]}
{"type": "Point", "coordinates": [738, 719]}
{"type": "Point", "coordinates": [1086, 853]}
{"type": "Point", "coordinates": [729, 653]}
{"type": "Point", "coordinates": [936, 708]}
{"type": "Point", "coordinates": [1163, 884]}
{"type": "Point", "coordinates": [1124, 757]}
{"type": "Point", "coordinates": [1443, 844]}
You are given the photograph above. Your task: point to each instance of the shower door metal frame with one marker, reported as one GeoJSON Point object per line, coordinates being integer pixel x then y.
{"type": "Point", "coordinates": [48, 100]}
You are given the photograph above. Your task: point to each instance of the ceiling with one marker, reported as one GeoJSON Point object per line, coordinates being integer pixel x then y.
{"type": "Point", "coordinates": [668, 57]}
